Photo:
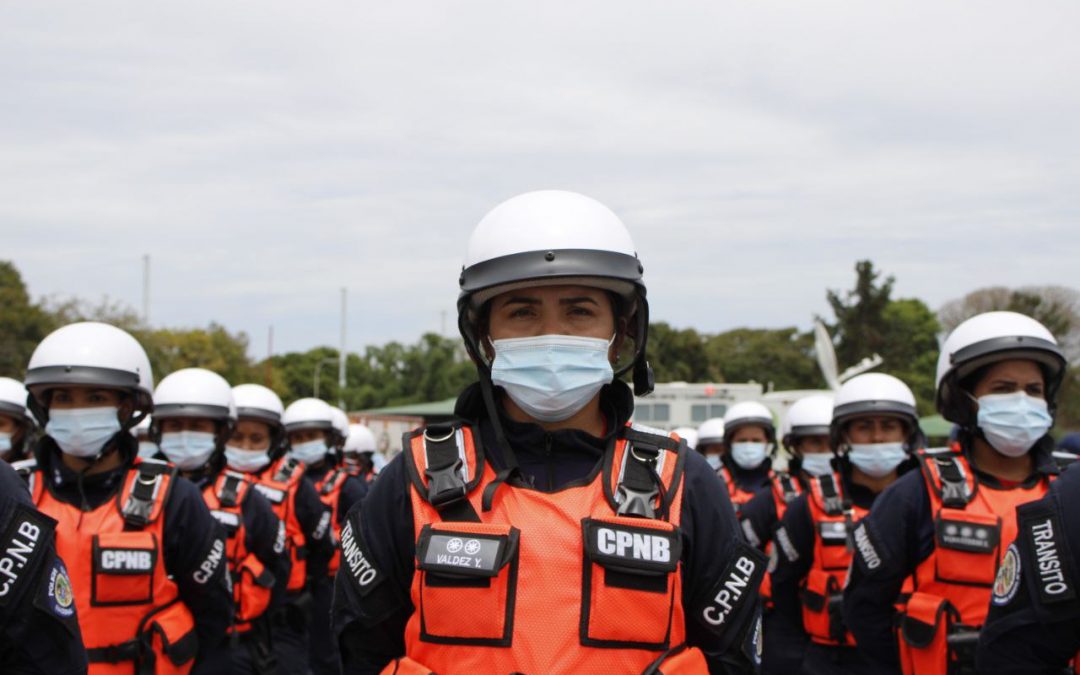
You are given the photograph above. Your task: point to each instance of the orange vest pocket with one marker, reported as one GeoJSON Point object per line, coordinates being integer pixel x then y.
{"type": "Point", "coordinates": [254, 585]}
{"type": "Point", "coordinates": [966, 547]}
{"type": "Point", "coordinates": [467, 565]}
{"type": "Point", "coordinates": [628, 583]}
{"type": "Point", "coordinates": [923, 635]}
{"type": "Point", "coordinates": [172, 631]}
{"type": "Point", "coordinates": [123, 568]}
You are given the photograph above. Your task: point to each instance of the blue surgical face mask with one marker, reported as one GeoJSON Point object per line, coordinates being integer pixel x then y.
{"type": "Point", "coordinates": [5, 441]}
{"type": "Point", "coordinates": [311, 452]}
{"type": "Point", "coordinates": [188, 450]}
{"type": "Point", "coordinates": [82, 432]}
{"type": "Point", "coordinates": [246, 461]}
{"type": "Point", "coordinates": [714, 461]}
{"type": "Point", "coordinates": [148, 449]}
{"type": "Point", "coordinates": [749, 455]}
{"type": "Point", "coordinates": [877, 460]}
{"type": "Point", "coordinates": [551, 377]}
{"type": "Point", "coordinates": [1013, 423]}
{"type": "Point", "coordinates": [817, 463]}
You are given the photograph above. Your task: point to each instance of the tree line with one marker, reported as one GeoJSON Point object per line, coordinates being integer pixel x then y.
{"type": "Point", "coordinates": [866, 319]}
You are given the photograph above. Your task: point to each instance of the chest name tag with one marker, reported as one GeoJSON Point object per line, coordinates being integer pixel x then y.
{"type": "Point", "coordinates": [833, 533]}
{"type": "Point", "coordinates": [639, 549]}
{"type": "Point", "coordinates": [125, 561]}
{"type": "Point", "coordinates": [969, 537]}
{"type": "Point", "coordinates": [230, 521]}
{"type": "Point", "coordinates": [21, 546]}
{"type": "Point", "coordinates": [462, 554]}
{"type": "Point", "coordinates": [274, 495]}
{"type": "Point", "coordinates": [1051, 568]}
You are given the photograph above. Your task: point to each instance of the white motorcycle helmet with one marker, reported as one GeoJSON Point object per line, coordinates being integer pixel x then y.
{"type": "Point", "coordinates": [341, 426]}
{"type": "Point", "coordinates": [90, 354]}
{"type": "Point", "coordinates": [874, 394]}
{"type": "Point", "coordinates": [688, 434]}
{"type": "Point", "coordinates": [310, 413]}
{"type": "Point", "coordinates": [360, 440]}
{"type": "Point", "coordinates": [810, 416]}
{"type": "Point", "coordinates": [261, 404]}
{"type": "Point", "coordinates": [748, 413]}
{"type": "Point", "coordinates": [711, 432]}
{"type": "Point", "coordinates": [553, 237]}
{"type": "Point", "coordinates": [195, 392]}
{"type": "Point", "coordinates": [985, 339]}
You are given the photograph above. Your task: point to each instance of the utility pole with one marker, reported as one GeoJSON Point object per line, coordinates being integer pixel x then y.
{"type": "Point", "coordinates": [268, 376]}
{"type": "Point", "coordinates": [146, 289]}
{"type": "Point", "coordinates": [341, 352]}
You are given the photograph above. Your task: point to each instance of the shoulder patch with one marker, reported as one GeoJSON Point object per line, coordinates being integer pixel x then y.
{"type": "Point", "coordinates": [55, 596]}
{"type": "Point", "coordinates": [1007, 581]}
{"type": "Point", "coordinates": [737, 585]}
{"type": "Point", "coordinates": [1044, 544]}
{"type": "Point", "coordinates": [754, 644]}
{"type": "Point", "coordinates": [22, 547]}
{"type": "Point", "coordinates": [866, 548]}
{"type": "Point", "coordinates": [361, 568]}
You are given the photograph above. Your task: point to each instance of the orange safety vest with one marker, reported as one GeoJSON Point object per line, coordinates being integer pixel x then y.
{"type": "Point", "coordinates": [329, 489]}
{"type": "Point", "coordinates": [584, 579]}
{"type": "Point", "coordinates": [279, 485]}
{"type": "Point", "coordinates": [738, 495]}
{"type": "Point", "coordinates": [130, 612]}
{"type": "Point", "coordinates": [785, 489]}
{"type": "Point", "coordinates": [972, 528]}
{"type": "Point", "coordinates": [834, 518]}
{"type": "Point", "coordinates": [252, 583]}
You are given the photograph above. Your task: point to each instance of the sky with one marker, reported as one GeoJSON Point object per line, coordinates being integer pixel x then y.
{"type": "Point", "coordinates": [267, 154]}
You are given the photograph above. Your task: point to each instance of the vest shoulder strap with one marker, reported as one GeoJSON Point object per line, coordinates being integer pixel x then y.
{"type": "Point", "coordinates": [232, 489]}
{"type": "Point", "coordinates": [445, 464]}
{"type": "Point", "coordinates": [148, 486]}
{"type": "Point", "coordinates": [827, 493]}
{"type": "Point", "coordinates": [287, 470]}
{"type": "Point", "coordinates": [948, 477]}
{"type": "Point", "coordinates": [333, 481]}
{"type": "Point", "coordinates": [650, 465]}
{"type": "Point", "coordinates": [786, 487]}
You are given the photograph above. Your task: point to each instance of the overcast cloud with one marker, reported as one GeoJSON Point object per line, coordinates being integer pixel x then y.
{"type": "Point", "coordinates": [266, 154]}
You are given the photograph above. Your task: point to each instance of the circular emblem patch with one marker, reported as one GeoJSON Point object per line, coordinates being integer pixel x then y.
{"type": "Point", "coordinates": [62, 591]}
{"type": "Point", "coordinates": [472, 547]}
{"type": "Point", "coordinates": [1008, 577]}
{"type": "Point", "coordinates": [454, 545]}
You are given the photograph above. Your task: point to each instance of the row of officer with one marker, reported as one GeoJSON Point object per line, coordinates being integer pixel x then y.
{"type": "Point", "coordinates": [165, 589]}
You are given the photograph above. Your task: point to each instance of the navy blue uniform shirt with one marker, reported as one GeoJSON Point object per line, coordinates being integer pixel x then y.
{"type": "Point", "coordinates": [39, 630]}
{"type": "Point", "coordinates": [371, 629]}
{"type": "Point", "coordinates": [1034, 621]}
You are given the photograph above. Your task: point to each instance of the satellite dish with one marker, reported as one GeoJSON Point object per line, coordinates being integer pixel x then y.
{"type": "Point", "coordinates": [826, 355]}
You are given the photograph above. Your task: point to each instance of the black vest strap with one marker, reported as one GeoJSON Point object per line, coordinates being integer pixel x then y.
{"type": "Point", "coordinates": [789, 487]}
{"type": "Point", "coordinates": [446, 488]}
{"type": "Point", "coordinates": [641, 485]}
{"type": "Point", "coordinates": [834, 503]}
{"type": "Point", "coordinates": [229, 494]}
{"type": "Point", "coordinates": [285, 471]}
{"type": "Point", "coordinates": [952, 483]}
{"type": "Point", "coordinates": [139, 505]}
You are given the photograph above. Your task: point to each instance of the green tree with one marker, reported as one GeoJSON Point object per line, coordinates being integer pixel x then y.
{"type": "Point", "coordinates": [678, 355]}
{"type": "Point", "coordinates": [860, 329]}
{"type": "Point", "coordinates": [782, 356]}
{"type": "Point", "coordinates": [23, 324]}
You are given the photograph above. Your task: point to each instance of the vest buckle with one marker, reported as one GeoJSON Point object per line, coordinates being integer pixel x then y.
{"type": "Point", "coordinates": [444, 484]}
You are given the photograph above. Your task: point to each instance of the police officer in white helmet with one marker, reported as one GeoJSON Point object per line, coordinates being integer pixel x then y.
{"type": "Point", "coordinates": [540, 479]}
{"type": "Point", "coordinates": [147, 559]}
{"type": "Point", "coordinates": [748, 445]}
{"type": "Point", "coordinates": [194, 416]}
{"type": "Point", "coordinates": [806, 438]}
{"type": "Point", "coordinates": [257, 448]}
{"type": "Point", "coordinates": [873, 432]}
{"type": "Point", "coordinates": [316, 432]}
{"type": "Point", "coordinates": [359, 453]}
{"type": "Point", "coordinates": [16, 423]}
